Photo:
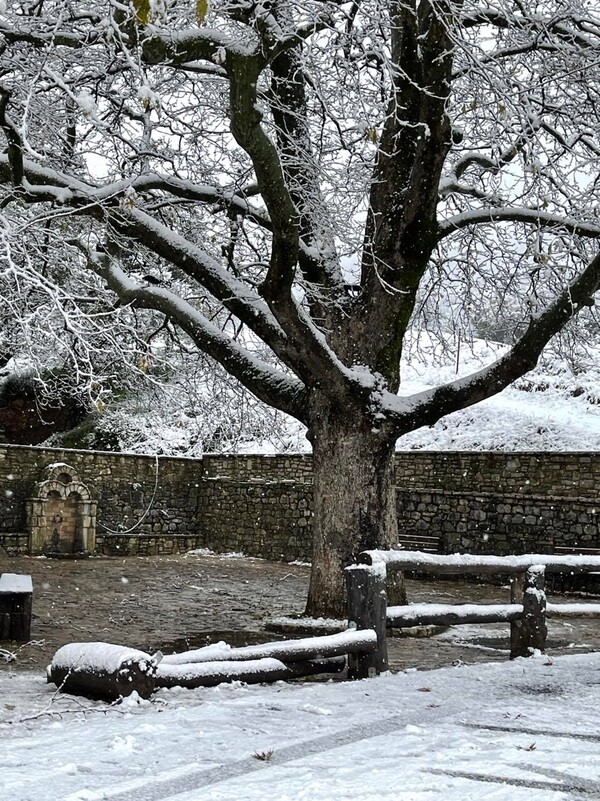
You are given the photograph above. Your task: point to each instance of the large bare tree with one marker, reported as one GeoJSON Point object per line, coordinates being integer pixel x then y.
{"type": "Point", "coordinates": [287, 181]}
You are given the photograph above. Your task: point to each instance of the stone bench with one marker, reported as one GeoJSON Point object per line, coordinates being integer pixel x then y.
{"type": "Point", "coordinates": [15, 607]}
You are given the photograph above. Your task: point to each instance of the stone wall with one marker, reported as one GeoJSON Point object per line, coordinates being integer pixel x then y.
{"type": "Point", "coordinates": [154, 497]}
{"type": "Point", "coordinates": [14, 544]}
{"type": "Point", "coordinates": [501, 502]}
{"type": "Point", "coordinates": [146, 545]}
{"type": "Point", "coordinates": [261, 505]}
{"type": "Point", "coordinates": [258, 505]}
{"type": "Point", "coordinates": [571, 475]}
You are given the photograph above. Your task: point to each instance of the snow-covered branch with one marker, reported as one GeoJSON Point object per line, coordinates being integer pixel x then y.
{"type": "Point", "coordinates": [426, 408]}
{"type": "Point", "coordinates": [182, 47]}
{"type": "Point", "coordinates": [267, 383]}
{"type": "Point", "coordinates": [536, 217]}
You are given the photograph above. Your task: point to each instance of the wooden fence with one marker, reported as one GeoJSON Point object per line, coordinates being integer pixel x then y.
{"type": "Point", "coordinates": [104, 670]}
{"type": "Point", "coordinates": [526, 612]}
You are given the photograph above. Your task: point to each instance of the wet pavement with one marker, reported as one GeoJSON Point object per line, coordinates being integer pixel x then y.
{"type": "Point", "coordinates": [177, 602]}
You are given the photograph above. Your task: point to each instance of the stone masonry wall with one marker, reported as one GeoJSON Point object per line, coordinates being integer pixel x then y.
{"type": "Point", "coordinates": [258, 505]}
{"type": "Point", "coordinates": [146, 545]}
{"type": "Point", "coordinates": [262, 505]}
{"type": "Point", "coordinates": [500, 502]}
{"type": "Point", "coordinates": [129, 491]}
{"type": "Point", "coordinates": [571, 475]}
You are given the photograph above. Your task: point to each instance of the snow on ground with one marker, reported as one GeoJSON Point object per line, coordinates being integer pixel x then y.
{"type": "Point", "coordinates": [525, 730]}
{"type": "Point", "coordinates": [553, 408]}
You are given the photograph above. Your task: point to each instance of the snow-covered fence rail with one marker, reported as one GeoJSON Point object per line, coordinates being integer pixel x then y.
{"type": "Point", "coordinates": [451, 615]}
{"type": "Point", "coordinates": [527, 612]}
{"type": "Point", "coordinates": [460, 564]}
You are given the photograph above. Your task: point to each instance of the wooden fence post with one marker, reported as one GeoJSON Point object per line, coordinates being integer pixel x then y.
{"type": "Point", "coordinates": [529, 633]}
{"type": "Point", "coordinates": [367, 609]}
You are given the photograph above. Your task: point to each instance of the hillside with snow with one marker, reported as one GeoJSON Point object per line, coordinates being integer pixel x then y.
{"type": "Point", "coordinates": [556, 407]}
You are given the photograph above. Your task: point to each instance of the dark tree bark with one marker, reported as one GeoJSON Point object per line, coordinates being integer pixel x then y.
{"type": "Point", "coordinates": [354, 502]}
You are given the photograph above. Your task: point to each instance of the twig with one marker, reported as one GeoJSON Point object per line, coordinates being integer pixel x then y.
{"type": "Point", "coordinates": [11, 656]}
{"type": "Point", "coordinates": [83, 710]}
{"type": "Point", "coordinates": [263, 756]}
{"type": "Point", "coordinates": [56, 696]}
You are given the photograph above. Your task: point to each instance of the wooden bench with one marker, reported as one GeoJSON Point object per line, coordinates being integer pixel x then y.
{"type": "Point", "coordinates": [576, 582]}
{"type": "Point", "coordinates": [15, 607]}
{"type": "Point", "coordinates": [428, 543]}
{"type": "Point", "coordinates": [576, 550]}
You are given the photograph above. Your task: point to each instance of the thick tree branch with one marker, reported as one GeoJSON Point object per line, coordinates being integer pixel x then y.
{"type": "Point", "coordinates": [426, 408]}
{"type": "Point", "coordinates": [14, 151]}
{"type": "Point", "coordinates": [270, 385]}
{"type": "Point", "coordinates": [535, 217]}
{"type": "Point", "coordinates": [60, 38]}
{"type": "Point", "coordinates": [416, 138]}
{"type": "Point", "coordinates": [47, 184]}
{"type": "Point", "coordinates": [567, 27]}
{"type": "Point", "coordinates": [235, 295]}
{"type": "Point", "coordinates": [306, 353]}
{"type": "Point", "coordinates": [289, 108]}
{"type": "Point", "coordinates": [181, 47]}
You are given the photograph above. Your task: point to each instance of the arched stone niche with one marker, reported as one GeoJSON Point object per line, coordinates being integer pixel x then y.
{"type": "Point", "coordinates": [61, 514]}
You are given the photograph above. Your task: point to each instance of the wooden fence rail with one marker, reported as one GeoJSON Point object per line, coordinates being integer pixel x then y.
{"type": "Point", "coordinates": [526, 612]}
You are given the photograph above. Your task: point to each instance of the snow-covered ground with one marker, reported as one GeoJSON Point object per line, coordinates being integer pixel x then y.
{"type": "Point", "coordinates": [510, 731]}
{"type": "Point", "coordinates": [554, 408]}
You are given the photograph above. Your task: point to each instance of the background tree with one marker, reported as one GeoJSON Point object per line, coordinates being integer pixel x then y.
{"type": "Point", "coordinates": [289, 181]}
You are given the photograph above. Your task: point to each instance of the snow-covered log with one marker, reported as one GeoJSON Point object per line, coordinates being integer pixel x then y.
{"type": "Point", "coordinates": [451, 614]}
{"type": "Point", "coordinates": [209, 674]}
{"type": "Point", "coordinates": [102, 670]}
{"type": "Point", "coordinates": [289, 651]}
{"type": "Point", "coordinates": [478, 564]}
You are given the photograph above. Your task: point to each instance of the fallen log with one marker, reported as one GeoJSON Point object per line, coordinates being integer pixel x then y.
{"type": "Point", "coordinates": [288, 651]}
{"type": "Point", "coordinates": [102, 671]}
{"type": "Point", "coordinates": [209, 674]}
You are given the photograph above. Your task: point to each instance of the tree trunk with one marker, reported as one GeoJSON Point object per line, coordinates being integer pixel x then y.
{"type": "Point", "coordinates": [354, 504]}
